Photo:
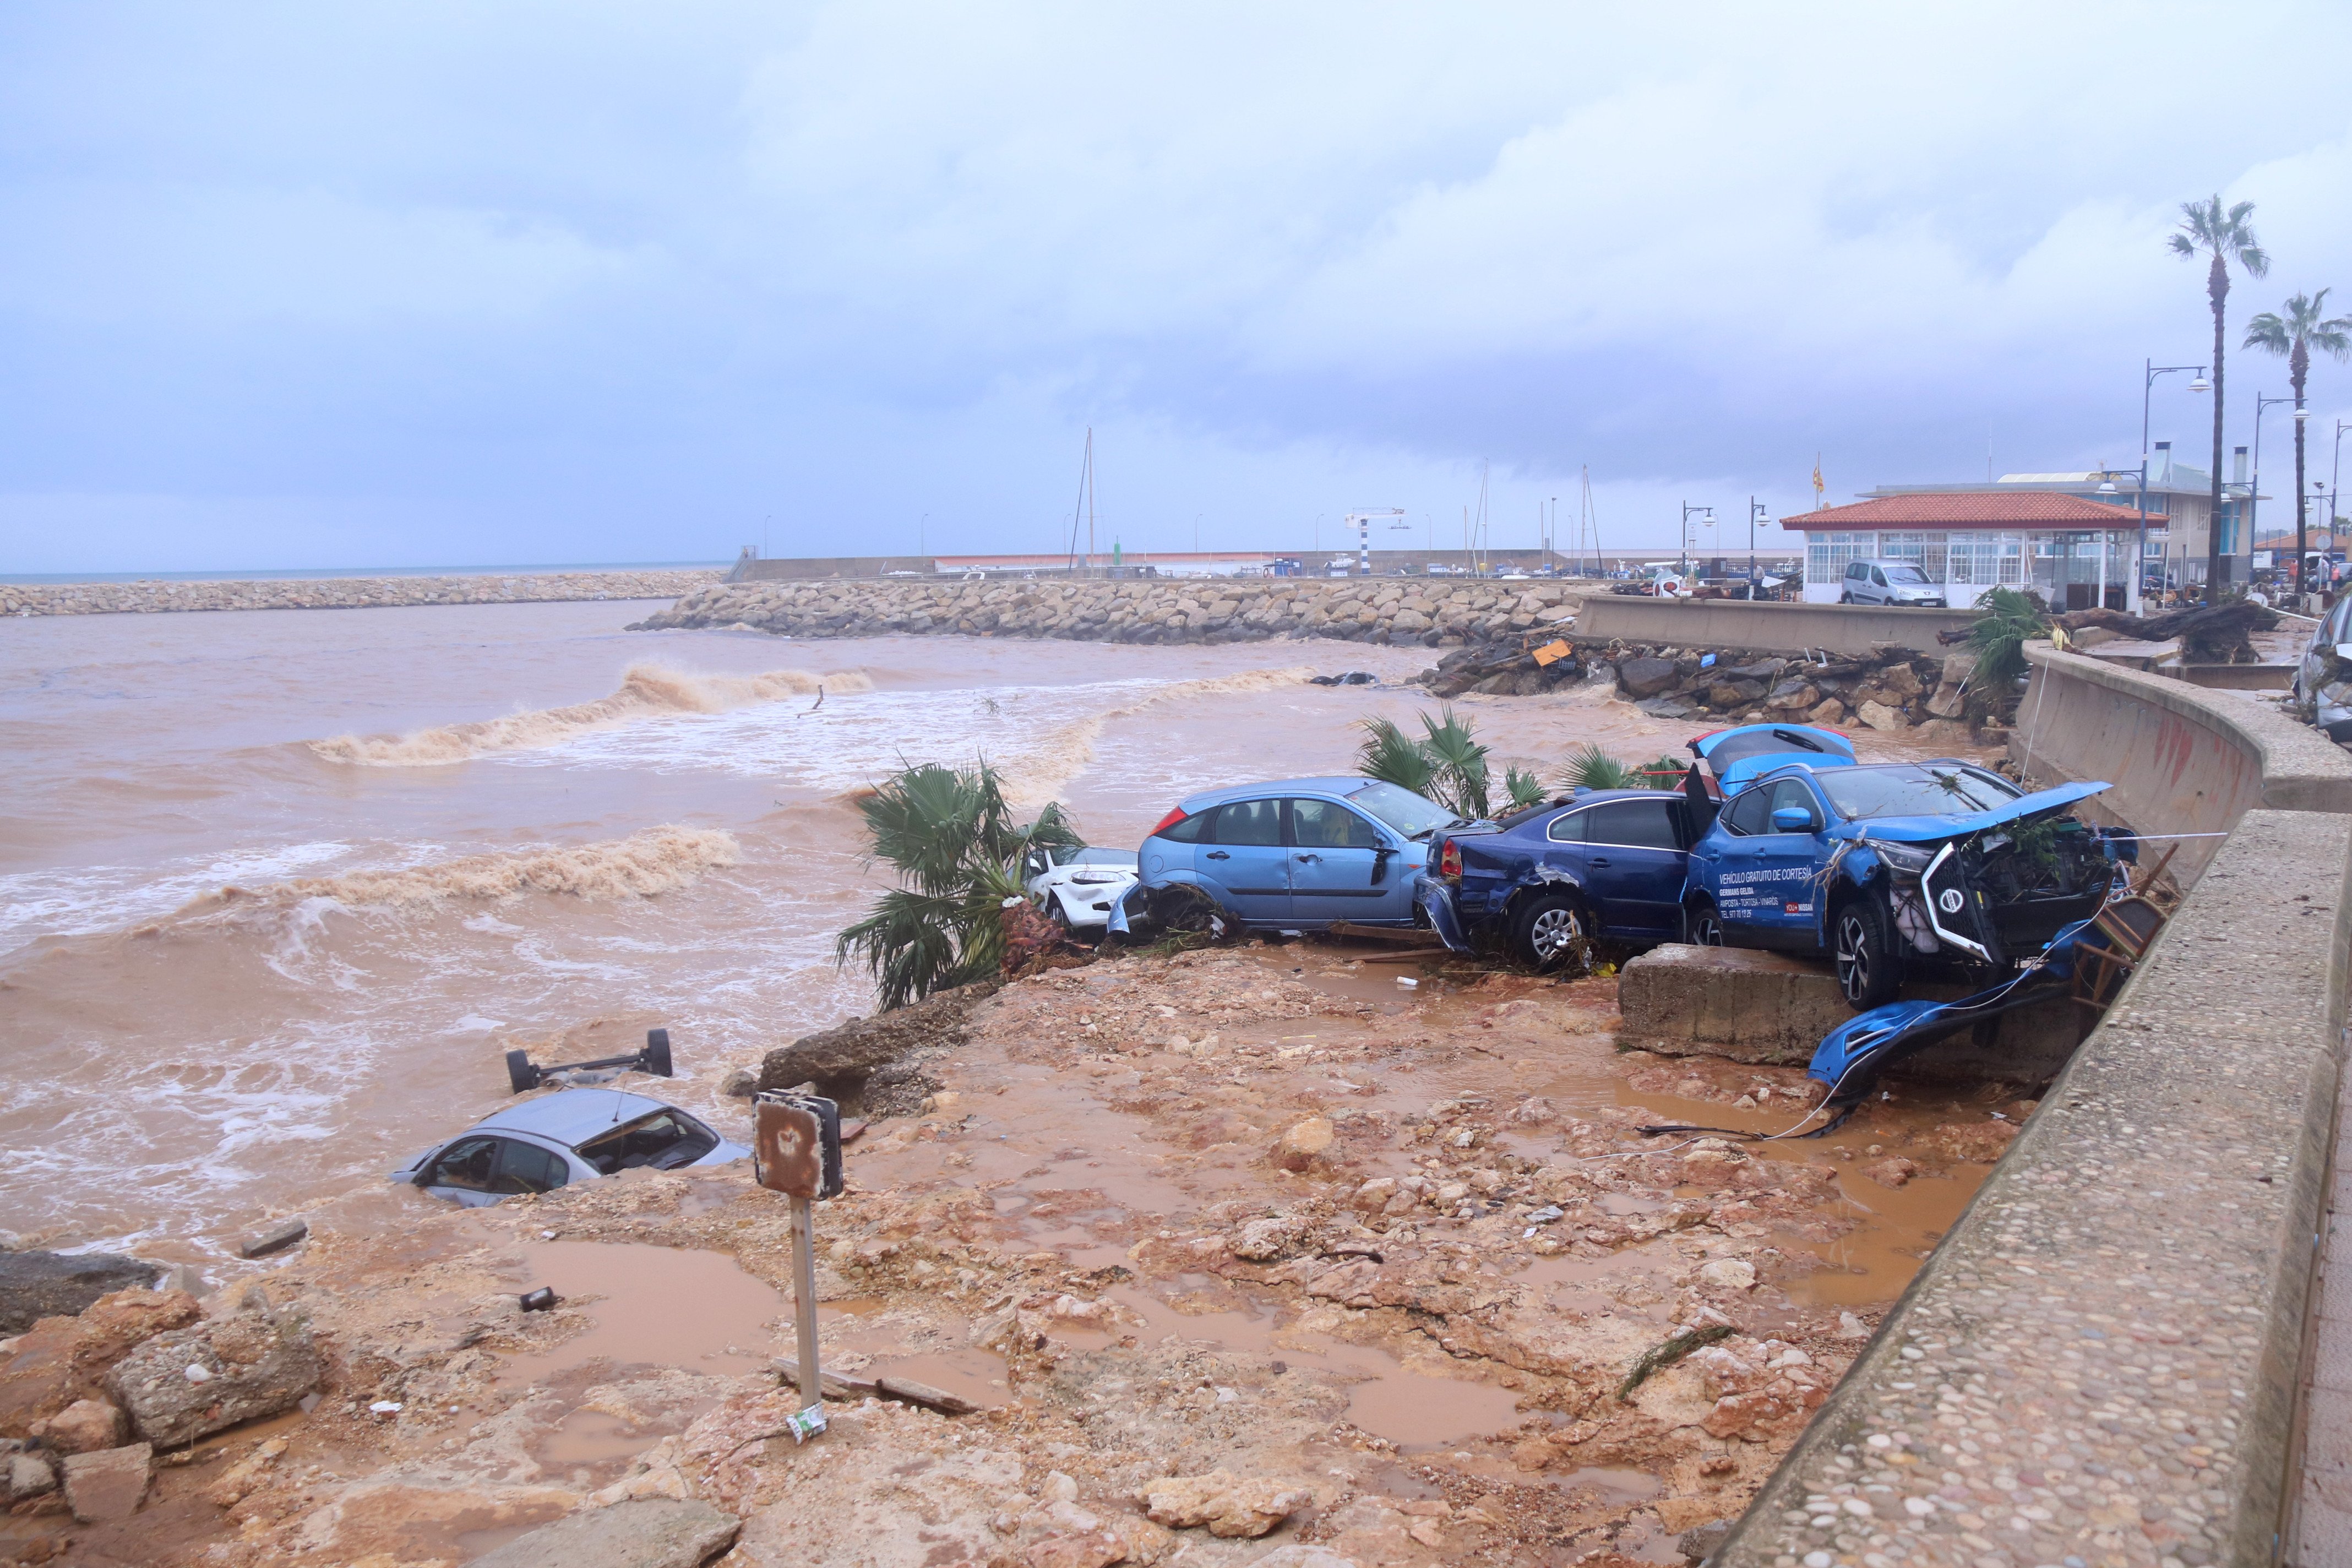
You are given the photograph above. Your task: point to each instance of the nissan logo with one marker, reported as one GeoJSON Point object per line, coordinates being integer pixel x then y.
{"type": "Point", "coordinates": [1949, 900]}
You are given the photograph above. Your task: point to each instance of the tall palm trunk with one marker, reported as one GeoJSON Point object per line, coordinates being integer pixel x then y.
{"type": "Point", "coordinates": [2298, 365]}
{"type": "Point", "coordinates": [2216, 289]}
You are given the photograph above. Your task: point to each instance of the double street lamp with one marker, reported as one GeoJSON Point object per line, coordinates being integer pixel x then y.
{"type": "Point", "coordinates": [2254, 490]}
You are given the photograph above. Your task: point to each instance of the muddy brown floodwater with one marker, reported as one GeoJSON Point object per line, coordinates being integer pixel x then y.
{"type": "Point", "coordinates": [1258, 1210]}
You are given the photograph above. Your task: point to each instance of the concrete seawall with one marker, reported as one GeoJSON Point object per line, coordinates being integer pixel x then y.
{"type": "Point", "coordinates": [2183, 759]}
{"type": "Point", "coordinates": [1844, 629]}
{"type": "Point", "coordinates": [147, 598]}
{"type": "Point", "coordinates": [2100, 1364]}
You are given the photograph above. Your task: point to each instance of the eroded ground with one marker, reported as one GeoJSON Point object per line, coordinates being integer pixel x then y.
{"type": "Point", "coordinates": [1384, 1256]}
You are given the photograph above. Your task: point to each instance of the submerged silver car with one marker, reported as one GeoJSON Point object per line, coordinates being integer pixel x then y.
{"type": "Point", "coordinates": [571, 1135]}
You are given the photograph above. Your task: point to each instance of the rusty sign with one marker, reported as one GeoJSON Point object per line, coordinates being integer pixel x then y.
{"type": "Point", "coordinates": [797, 1149]}
{"type": "Point", "coordinates": [1553, 652]}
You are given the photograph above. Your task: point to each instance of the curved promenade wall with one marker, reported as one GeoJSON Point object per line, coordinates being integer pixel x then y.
{"type": "Point", "coordinates": [2099, 1365]}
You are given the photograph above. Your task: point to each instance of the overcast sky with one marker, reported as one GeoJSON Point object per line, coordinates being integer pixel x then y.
{"type": "Point", "coordinates": [447, 283]}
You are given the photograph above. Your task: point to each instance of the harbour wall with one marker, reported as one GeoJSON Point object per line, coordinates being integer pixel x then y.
{"type": "Point", "coordinates": [1764, 626]}
{"type": "Point", "coordinates": [157, 597]}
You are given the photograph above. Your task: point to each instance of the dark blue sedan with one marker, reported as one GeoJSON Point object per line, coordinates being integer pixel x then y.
{"type": "Point", "coordinates": [1601, 864]}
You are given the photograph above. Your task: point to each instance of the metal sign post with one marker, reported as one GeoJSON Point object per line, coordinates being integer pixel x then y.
{"type": "Point", "coordinates": [797, 1152]}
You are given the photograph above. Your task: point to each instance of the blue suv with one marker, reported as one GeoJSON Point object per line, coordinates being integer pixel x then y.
{"type": "Point", "coordinates": [1300, 854]}
{"type": "Point", "coordinates": [1876, 866]}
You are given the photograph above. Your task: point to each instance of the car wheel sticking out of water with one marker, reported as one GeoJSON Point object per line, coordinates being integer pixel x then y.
{"type": "Point", "coordinates": [571, 1135]}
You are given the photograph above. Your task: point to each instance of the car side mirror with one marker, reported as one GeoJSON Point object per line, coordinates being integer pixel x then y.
{"type": "Point", "coordinates": [1791, 819]}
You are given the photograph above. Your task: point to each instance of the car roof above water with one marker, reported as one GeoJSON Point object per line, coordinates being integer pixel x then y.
{"type": "Point", "coordinates": [572, 1116]}
{"type": "Point", "coordinates": [1192, 804]}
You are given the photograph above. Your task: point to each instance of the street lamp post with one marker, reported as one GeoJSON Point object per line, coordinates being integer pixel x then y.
{"type": "Point", "coordinates": [2254, 487]}
{"type": "Point", "coordinates": [1690, 512]}
{"type": "Point", "coordinates": [2146, 390]}
{"type": "Point", "coordinates": [1755, 509]}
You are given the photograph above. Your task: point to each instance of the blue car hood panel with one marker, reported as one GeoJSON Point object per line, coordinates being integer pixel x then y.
{"type": "Point", "coordinates": [1836, 751]}
{"type": "Point", "coordinates": [1927, 829]}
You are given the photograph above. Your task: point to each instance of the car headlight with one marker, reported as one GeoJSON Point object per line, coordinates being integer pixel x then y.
{"type": "Point", "coordinates": [1905, 858]}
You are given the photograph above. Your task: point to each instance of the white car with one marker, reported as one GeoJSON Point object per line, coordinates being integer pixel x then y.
{"type": "Point", "coordinates": [1078, 887]}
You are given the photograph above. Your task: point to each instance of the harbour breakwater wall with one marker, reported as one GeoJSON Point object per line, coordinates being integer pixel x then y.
{"type": "Point", "coordinates": [2103, 1362]}
{"type": "Point", "coordinates": [149, 597]}
{"type": "Point", "coordinates": [1386, 610]}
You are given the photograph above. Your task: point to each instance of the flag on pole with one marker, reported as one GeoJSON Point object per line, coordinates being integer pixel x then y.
{"type": "Point", "coordinates": [1818, 486]}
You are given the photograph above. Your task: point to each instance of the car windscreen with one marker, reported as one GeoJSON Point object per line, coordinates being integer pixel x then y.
{"type": "Point", "coordinates": [1401, 809]}
{"type": "Point", "coordinates": [663, 1141]}
{"type": "Point", "coordinates": [1912, 789]}
{"type": "Point", "coordinates": [1906, 575]}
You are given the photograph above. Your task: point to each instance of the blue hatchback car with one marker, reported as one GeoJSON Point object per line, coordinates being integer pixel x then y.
{"type": "Point", "coordinates": [1601, 863]}
{"type": "Point", "coordinates": [1876, 866]}
{"type": "Point", "coordinates": [1298, 854]}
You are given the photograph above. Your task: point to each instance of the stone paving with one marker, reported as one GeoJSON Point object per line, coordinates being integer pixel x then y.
{"type": "Point", "coordinates": [2322, 1532]}
{"type": "Point", "coordinates": [2098, 1367]}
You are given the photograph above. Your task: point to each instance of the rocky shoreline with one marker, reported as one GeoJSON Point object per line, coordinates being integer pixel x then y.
{"type": "Point", "coordinates": [1399, 611]}
{"type": "Point", "coordinates": [1235, 1256]}
{"type": "Point", "coordinates": [149, 597]}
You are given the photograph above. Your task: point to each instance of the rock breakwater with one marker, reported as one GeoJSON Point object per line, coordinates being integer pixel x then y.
{"type": "Point", "coordinates": [148, 597]}
{"type": "Point", "coordinates": [1389, 610]}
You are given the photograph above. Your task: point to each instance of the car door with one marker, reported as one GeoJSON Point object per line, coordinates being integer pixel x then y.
{"type": "Point", "coordinates": [1633, 863]}
{"type": "Point", "coordinates": [1766, 885]}
{"type": "Point", "coordinates": [476, 1172]}
{"type": "Point", "coordinates": [1342, 867]}
{"type": "Point", "coordinates": [1245, 860]}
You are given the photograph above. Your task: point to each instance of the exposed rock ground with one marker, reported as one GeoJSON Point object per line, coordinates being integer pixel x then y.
{"type": "Point", "coordinates": [1248, 1254]}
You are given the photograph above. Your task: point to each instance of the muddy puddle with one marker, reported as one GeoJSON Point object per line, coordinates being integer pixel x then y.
{"type": "Point", "coordinates": [651, 1306]}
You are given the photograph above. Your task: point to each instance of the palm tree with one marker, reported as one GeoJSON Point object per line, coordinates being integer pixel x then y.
{"type": "Point", "coordinates": [958, 852]}
{"type": "Point", "coordinates": [2207, 230]}
{"type": "Point", "coordinates": [1447, 765]}
{"type": "Point", "coordinates": [1590, 767]}
{"type": "Point", "coordinates": [2293, 333]}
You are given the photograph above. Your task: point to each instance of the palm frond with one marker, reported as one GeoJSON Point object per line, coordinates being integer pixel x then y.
{"type": "Point", "coordinates": [1590, 767]}
{"type": "Point", "coordinates": [1664, 770]}
{"type": "Point", "coordinates": [1460, 762]}
{"type": "Point", "coordinates": [1393, 757]}
{"type": "Point", "coordinates": [1523, 787]}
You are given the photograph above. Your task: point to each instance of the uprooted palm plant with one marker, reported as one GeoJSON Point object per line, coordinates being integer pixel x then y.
{"type": "Point", "coordinates": [1447, 765]}
{"type": "Point", "coordinates": [1590, 767]}
{"type": "Point", "coordinates": [958, 851]}
{"type": "Point", "coordinates": [2010, 620]}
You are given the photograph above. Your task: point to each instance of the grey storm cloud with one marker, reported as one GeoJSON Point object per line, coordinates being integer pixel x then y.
{"type": "Point", "coordinates": [425, 283]}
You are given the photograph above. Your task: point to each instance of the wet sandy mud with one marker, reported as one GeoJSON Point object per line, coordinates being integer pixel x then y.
{"type": "Point", "coordinates": [1373, 1260]}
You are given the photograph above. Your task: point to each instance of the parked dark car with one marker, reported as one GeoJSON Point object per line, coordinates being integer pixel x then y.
{"type": "Point", "coordinates": [1602, 864]}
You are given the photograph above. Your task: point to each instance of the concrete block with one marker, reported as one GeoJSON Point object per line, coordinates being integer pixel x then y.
{"type": "Point", "coordinates": [645, 1533]}
{"type": "Point", "coordinates": [1768, 1007]}
{"type": "Point", "coordinates": [109, 1484]}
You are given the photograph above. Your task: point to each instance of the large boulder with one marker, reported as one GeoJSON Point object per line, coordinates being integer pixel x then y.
{"type": "Point", "coordinates": [643, 1533]}
{"type": "Point", "coordinates": [1228, 1504]}
{"type": "Point", "coordinates": [840, 1059]}
{"type": "Point", "coordinates": [36, 1285]}
{"type": "Point", "coordinates": [190, 1383]}
{"type": "Point", "coordinates": [109, 1484]}
{"type": "Point", "coordinates": [61, 1360]}
{"type": "Point", "coordinates": [1639, 677]}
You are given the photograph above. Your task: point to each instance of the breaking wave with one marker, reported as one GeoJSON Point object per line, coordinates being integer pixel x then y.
{"type": "Point", "coordinates": [658, 860]}
{"type": "Point", "coordinates": [648, 691]}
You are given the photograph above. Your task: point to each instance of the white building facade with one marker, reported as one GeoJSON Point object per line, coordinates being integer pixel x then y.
{"type": "Point", "coordinates": [2079, 553]}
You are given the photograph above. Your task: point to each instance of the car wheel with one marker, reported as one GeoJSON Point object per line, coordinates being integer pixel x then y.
{"type": "Point", "coordinates": [658, 1060]}
{"type": "Point", "coordinates": [1551, 930]}
{"type": "Point", "coordinates": [522, 1076]}
{"type": "Point", "coordinates": [1702, 927]}
{"type": "Point", "coordinates": [1845, 598]}
{"type": "Point", "coordinates": [1869, 968]}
